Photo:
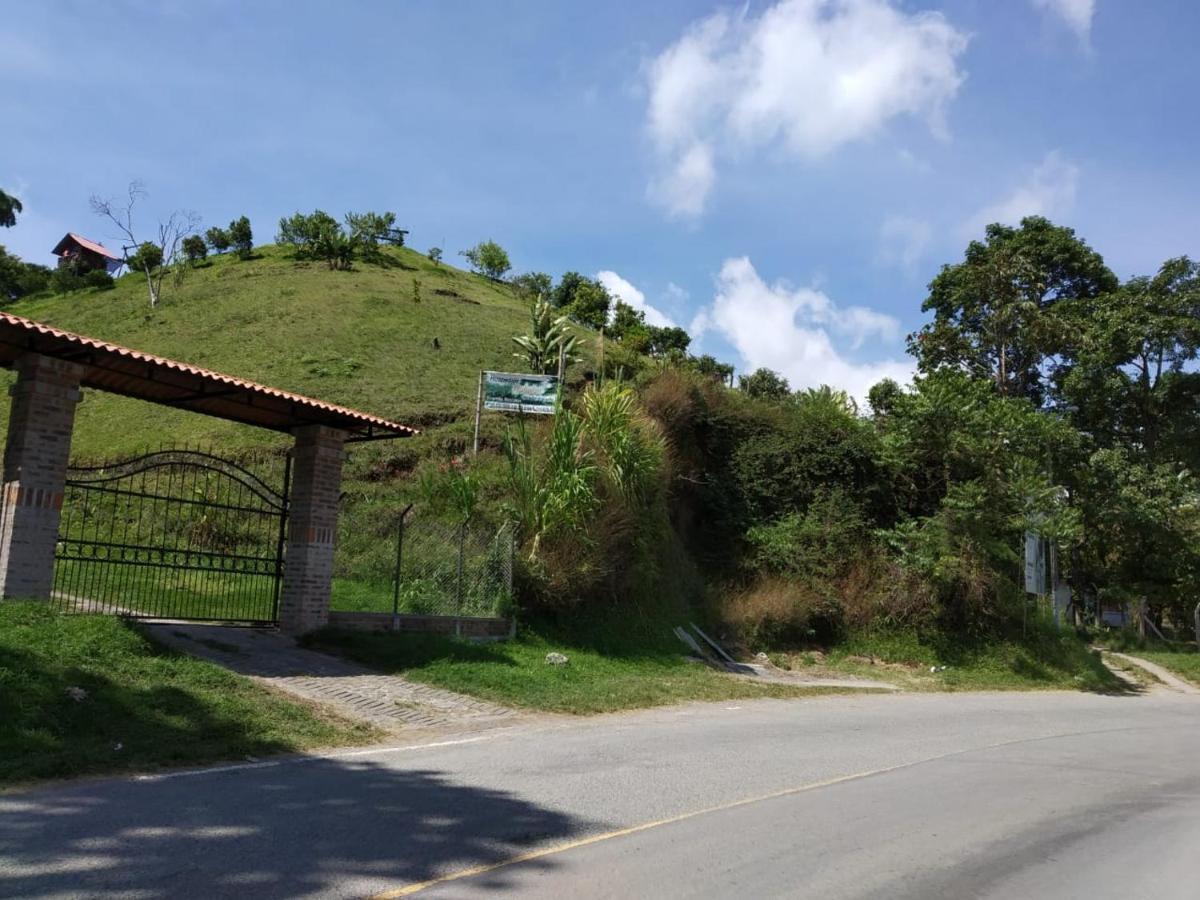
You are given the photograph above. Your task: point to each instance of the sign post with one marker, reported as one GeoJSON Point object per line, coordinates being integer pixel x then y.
{"type": "Point", "coordinates": [478, 412]}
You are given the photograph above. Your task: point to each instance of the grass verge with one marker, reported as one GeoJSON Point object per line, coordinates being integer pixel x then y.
{"type": "Point", "coordinates": [515, 673]}
{"type": "Point", "coordinates": [1044, 660]}
{"type": "Point", "coordinates": [83, 694]}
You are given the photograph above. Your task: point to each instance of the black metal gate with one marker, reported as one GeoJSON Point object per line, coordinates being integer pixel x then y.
{"type": "Point", "coordinates": [175, 534]}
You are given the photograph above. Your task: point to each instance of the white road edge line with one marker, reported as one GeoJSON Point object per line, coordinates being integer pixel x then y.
{"type": "Point", "coordinates": [316, 757]}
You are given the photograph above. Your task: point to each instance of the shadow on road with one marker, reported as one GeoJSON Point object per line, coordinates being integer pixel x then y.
{"type": "Point", "coordinates": [346, 827]}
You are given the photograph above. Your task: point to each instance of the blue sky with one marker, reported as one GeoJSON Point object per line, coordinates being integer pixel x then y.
{"type": "Point", "coordinates": [782, 179]}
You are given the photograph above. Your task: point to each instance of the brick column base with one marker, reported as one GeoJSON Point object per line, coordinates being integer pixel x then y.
{"type": "Point", "coordinates": [312, 526]}
{"type": "Point", "coordinates": [42, 414]}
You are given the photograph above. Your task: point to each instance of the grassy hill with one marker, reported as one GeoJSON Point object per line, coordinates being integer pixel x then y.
{"type": "Point", "coordinates": [355, 338]}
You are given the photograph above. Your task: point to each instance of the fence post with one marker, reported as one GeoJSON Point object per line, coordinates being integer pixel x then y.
{"type": "Point", "coordinates": [458, 588]}
{"type": "Point", "coordinates": [399, 560]}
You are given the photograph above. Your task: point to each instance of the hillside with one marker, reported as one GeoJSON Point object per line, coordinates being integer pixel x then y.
{"type": "Point", "coordinates": [355, 338]}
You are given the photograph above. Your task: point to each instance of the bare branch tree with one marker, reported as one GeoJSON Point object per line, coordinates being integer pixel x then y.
{"type": "Point", "coordinates": [171, 233]}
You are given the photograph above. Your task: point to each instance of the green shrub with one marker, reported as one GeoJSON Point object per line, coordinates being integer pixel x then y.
{"type": "Point", "coordinates": [99, 280]}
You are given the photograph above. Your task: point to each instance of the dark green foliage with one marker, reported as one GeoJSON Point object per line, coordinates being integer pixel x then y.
{"type": "Point", "coordinates": [670, 340]}
{"type": "Point", "coordinates": [531, 285]}
{"type": "Point", "coordinates": [590, 304]}
{"type": "Point", "coordinates": [997, 313]}
{"type": "Point", "coordinates": [194, 248]}
{"type": "Point", "coordinates": [370, 229]}
{"type": "Point", "coordinates": [218, 239]}
{"type": "Point", "coordinates": [711, 367]}
{"type": "Point", "coordinates": [66, 279]}
{"type": "Point", "coordinates": [9, 207]}
{"type": "Point", "coordinates": [435, 255]}
{"type": "Point", "coordinates": [764, 384]}
{"type": "Point", "coordinates": [563, 294]}
{"type": "Point", "coordinates": [241, 237]}
{"type": "Point", "coordinates": [147, 258]}
{"type": "Point", "coordinates": [488, 259]}
{"type": "Point", "coordinates": [19, 278]}
{"type": "Point", "coordinates": [317, 236]}
{"type": "Point", "coordinates": [99, 280]}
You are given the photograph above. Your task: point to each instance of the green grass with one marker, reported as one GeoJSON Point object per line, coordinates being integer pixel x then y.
{"type": "Point", "coordinates": [1044, 660]}
{"type": "Point", "coordinates": [143, 707]}
{"type": "Point", "coordinates": [515, 673]}
{"type": "Point", "coordinates": [355, 338]}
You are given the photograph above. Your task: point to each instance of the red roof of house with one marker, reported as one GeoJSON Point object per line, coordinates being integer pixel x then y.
{"type": "Point", "coordinates": [83, 242]}
{"type": "Point", "coordinates": [119, 370]}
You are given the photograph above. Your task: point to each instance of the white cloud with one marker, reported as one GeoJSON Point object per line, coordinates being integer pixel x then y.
{"type": "Point", "coordinates": [623, 290]}
{"type": "Point", "coordinates": [788, 329]}
{"type": "Point", "coordinates": [1076, 14]}
{"type": "Point", "coordinates": [683, 190]}
{"type": "Point", "coordinates": [811, 75]}
{"type": "Point", "coordinates": [903, 241]}
{"type": "Point", "coordinates": [1048, 190]}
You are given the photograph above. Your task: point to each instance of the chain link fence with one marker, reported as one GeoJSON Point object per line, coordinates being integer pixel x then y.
{"type": "Point", "coordinates": [448, 569]}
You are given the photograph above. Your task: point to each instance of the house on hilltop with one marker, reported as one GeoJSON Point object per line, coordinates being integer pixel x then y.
{"type": "Point", "coordinates": [83, 255]}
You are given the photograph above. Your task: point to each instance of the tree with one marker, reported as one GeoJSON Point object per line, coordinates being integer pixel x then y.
{"type": "Point", "coordinates": [668, 341]}
{"type": "Point", "coordinates": [171, 233]}
{"type": "Point", "coordinates": [194, 248]}
{"type": "Point", "coordinates": [590, 304]}
{"type": "Point", "coordinates": [548, 337]}
{"type": "Point", "coordinates": [317, 236]}
{"type": "Point", "coordinates": [764, 384]}
{"type": "Point", "coordinates": [1131, 380]}
{"type": "Point", "coordinates": [19, 278]}
{"type": "Point", "coordinates": [147, 258]}
{"type": "Point", "coordinates": [218, 239]}
{"type": "Point", "coordinates": [711, 367]}
{"type": "Point", "coordinates": [564, 292]}
{"type": "Point", "coordinates": [489, 259]}
{"type": "Point", "coordinates": [997, 313]}
{"type": "Point", "coordinates": [370, 229]}
{"type": "Point", "coordinates": [435, 255]}
{"type": "Point", "coordinates": [9, 207]}
{"type": "Point", "coordinates": [241, 238]}
{"type": "Point", "coordinates": [531, 285]}
{"type": "Point", "coordinates": [627, 321]}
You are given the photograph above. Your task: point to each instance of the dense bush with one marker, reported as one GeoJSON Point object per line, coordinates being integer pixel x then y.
{"type": "Point", "coordinates": [194, 248]}
{"type": "Point", "coordinates": [99, 280]}
{"type": "Point", "coordinates": [19, 278]}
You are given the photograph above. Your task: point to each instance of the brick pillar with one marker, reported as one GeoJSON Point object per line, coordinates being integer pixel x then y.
{"type": "Point", "coordinates": [312, 525]}
{"type": "Point", "coordinates": [41, 415]}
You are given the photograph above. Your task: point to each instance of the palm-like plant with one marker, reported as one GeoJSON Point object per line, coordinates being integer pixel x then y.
{"type": "Point", "coordinates": [548, 338]}
{"type": "Point", "coordinates": [630, 448]}
{"type": "Point", "coordinates": [556, 492]}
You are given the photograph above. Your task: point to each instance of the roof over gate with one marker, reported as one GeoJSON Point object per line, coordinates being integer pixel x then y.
{"type": "Point", "coordinates": [131, 373]}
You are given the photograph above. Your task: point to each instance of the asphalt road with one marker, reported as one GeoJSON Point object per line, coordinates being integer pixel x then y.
{"type": "Point", "coordinates": [972, 795]}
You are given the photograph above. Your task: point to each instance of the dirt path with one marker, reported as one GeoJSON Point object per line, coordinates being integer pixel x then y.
{"type": "Point", "coordinates": [1171, 680]}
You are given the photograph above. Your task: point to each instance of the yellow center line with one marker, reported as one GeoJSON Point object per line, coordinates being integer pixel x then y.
{"type": "Point", "coordinates": [562, 847]}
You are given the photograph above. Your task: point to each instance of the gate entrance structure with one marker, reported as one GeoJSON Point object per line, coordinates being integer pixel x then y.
{"type": "Point", "coordinates": [177, 534]}
{"type": "Point", "coordinates": [52, 365]}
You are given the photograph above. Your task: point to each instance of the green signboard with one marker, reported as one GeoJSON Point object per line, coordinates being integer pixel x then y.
{"type": "Point", "coordinates": [520, 393]}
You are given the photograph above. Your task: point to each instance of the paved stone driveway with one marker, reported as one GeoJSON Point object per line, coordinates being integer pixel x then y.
{"type": "Point", "coordinates": [387, 701]}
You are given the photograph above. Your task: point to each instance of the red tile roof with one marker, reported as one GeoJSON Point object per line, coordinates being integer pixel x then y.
{"type": "Point", "coordinates": [86, 244]}
{"type": "Point", "coordinates": [119, 370]}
